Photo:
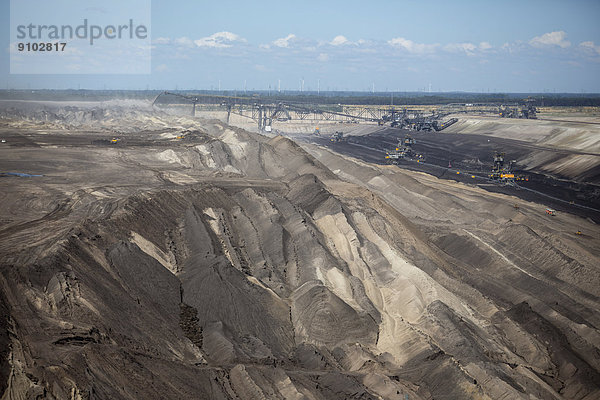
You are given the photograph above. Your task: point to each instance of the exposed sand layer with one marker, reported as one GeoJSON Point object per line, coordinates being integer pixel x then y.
{"type": "Point", "coordinates": [229, 265]}
{"type": "Point", "coordinates": [575, 133]}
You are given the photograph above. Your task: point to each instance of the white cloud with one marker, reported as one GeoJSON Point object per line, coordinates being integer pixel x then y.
{"type": "Point", "coordinates": [284, 42]}
{"type": "Point", "coordinates": [162, 68]}
{"type": "Point", "coordinates": [515, 47]}
{"type": "Point", "coordinates": [339, 40]}
{"type": "Point", "coordinates": [412, 47]}
{"type": "Point", "coordinates": [468, 48]}
{"type": "Point", "coordinates": [590, 46]}
{"type": "Point", "coordinates": [551, 39]}
{"type": "Point", "coordinates": [219, 40]}
{"type": "Point", "coordinates": [161, 40]}
{"type": "Point", "coordinates": [323, 57]}
{"type": "Point", "coordinates": [184, 41]}
{"type": "Point", "coordinates": [485, 46]}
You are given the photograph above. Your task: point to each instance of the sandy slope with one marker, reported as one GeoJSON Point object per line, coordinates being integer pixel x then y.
{"type": "Point", "coordinates": [231, 265]}
{"type": "Point", "coordinates": [575, 133]}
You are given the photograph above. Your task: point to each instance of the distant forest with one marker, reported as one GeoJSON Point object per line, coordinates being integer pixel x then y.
{"type": "Point", "coordinates": [358, 98]}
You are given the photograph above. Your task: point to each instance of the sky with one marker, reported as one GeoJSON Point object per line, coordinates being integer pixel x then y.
{"type": "Point", "coordinates": [473, 46]}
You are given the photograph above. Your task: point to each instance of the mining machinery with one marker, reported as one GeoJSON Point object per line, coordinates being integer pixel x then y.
{"type": "Point", "coordinates": [403, 150]}
{"type": "Point", "coordinates": [441, 126]}
{"type": "Point", "coordinates": [409, 141]}
{"type": "Point", "coordinates": [506, 111]}
{"type": "Point", "coordinates": [405, 146]}
{"type": "Point", "coordinates": [504, 172]}
{"type": "Point", "coordinates": [192, 99]}
{"type": "Point", "coordinates": [393, 156]}
{"type": "Point", "coordinates": [527, 110]}
{"type": "Point", "coordinates": [266, 112]}
{"type": "Point", "coordinates": [417, 121]}
{"type": "Point", "coordinates": [337, 137]}
{"type": "Point", "coordinates": [500, 171]}
{"type": "Point", "coordinates": [422, 122]}
{"type": "Point", "coordinates": [498, 161]}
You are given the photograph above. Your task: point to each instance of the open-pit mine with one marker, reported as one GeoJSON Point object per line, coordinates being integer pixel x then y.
{"type": "Point", "coordinates": [149, 254]}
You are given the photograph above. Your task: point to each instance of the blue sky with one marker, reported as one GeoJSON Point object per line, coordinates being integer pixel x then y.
{"type": "Point", "coordinates": [508, 46]}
